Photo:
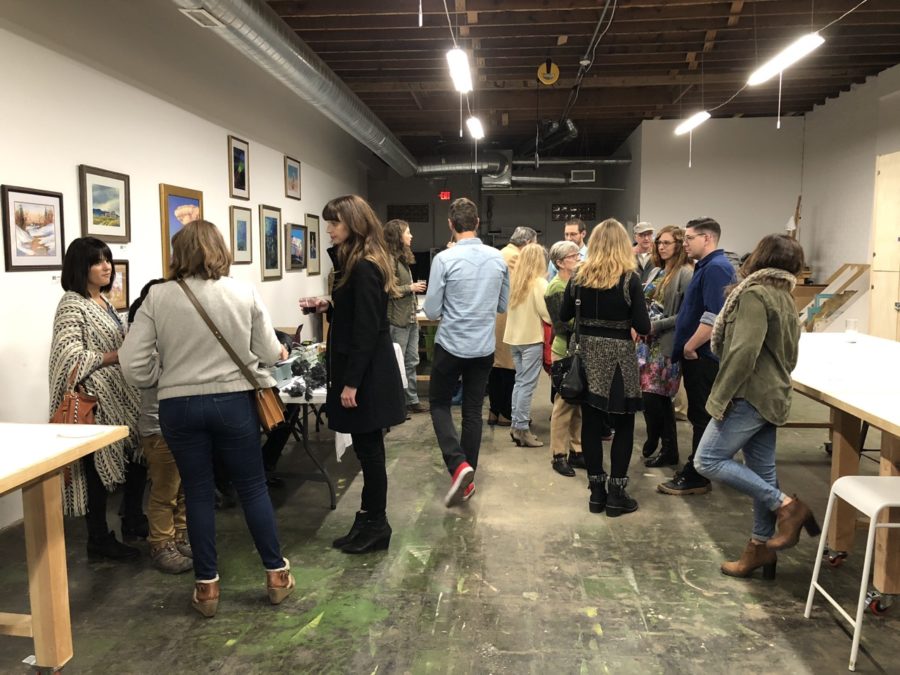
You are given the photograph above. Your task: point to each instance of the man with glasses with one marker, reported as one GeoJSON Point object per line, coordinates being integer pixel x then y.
{"type": "Point", "coordinates": [643, 249]}
{"type": "Point", "coordinates": [703, 300]}
{"type": "Point", "coordinates": [575, 231]}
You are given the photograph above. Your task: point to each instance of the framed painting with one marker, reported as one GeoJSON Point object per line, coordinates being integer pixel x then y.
{"type": "Point", "coordinates": [33, 237]}
{"type": "Point", "coordinates": [313, 250]}
{"type": "Point", "coordinates": [270, 244]}
{"type": "Point", "coordinates": [118, 294]}
{"type": "Point", "coordinates": [291, 177]}
{"type": "Point", "coordinates": [294, 247]}
{"type": "Point", "coordinates": [241, 235]}
{"type": "Point", "coordinates": [105, 204]}
{"type": "Point", "coordinates": [178, 206]}
{"type": "Point", "coordinates": [238, 168]}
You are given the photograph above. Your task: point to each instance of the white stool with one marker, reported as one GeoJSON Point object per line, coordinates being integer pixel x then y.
{"type": "Point", "coordinates": [869, 495]}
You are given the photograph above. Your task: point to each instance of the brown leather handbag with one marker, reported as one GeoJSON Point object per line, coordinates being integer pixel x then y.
{"type": "Point", "coordinates": [77, 406]}
{"type": "Point", "coordinates": [268, 402]}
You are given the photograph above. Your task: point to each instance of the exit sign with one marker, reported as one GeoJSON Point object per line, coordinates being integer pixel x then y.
{"type": "Point", "coordinates": [444, 195]}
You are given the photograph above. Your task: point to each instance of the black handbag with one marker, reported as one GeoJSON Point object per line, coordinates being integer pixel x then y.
{"type": "Point", "coordinates": [567, 374]}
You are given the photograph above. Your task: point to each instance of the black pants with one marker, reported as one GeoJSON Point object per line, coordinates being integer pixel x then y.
{"type": "Point", "coordinates": [369, 448]}
{"type": "Point", "coordinates": [500, 388]}
{"type": "Point", "coordinates": [279, 436]}
{"type": "Point", "coordinates": [659, 414]}
{"type": "Point", "coordinates": [593, 423]}
{"type": "Point", "coordinates": [97, 496]}
{"type": "Point", "coordinates": [699, 375]}
{"type": "Point", "coordinates": [446, 371]}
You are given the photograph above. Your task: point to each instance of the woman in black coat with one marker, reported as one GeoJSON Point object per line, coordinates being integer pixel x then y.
{"type": "Point", "coordinates": [365, 391]}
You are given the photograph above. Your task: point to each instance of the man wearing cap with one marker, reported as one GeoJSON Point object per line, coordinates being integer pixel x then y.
{"type": "Point", "coordinates": [643, 235]}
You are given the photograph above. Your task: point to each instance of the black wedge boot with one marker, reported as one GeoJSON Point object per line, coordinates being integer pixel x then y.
{"type": "Point", "coordinates": [618, 501]}
{"type": "Point", "coordinates": [374, 535]}
{"type": "Point", "coordinates": [597, 486]}
{"type": "Point", "coordinates": [341, 542]}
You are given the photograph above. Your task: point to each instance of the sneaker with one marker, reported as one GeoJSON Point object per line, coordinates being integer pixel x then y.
{"type": "Point", "coordinates": [183, 545]}
{"type": "Point", "coordinates": [468, 492]}
{"type": "Point", "coordinates": [418, 408]}
{"type": "Point", "coordinates": [683, 484]}
{"type": "Point", "coordinates": [462, 478]}
{"type": "Point", "coordinates": [166, 558]}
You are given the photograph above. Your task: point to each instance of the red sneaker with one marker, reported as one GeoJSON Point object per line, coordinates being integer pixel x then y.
{"type": "Point", "coordinates": [462, 478]}
{"type": "Point", "coordinates": [468, 492]}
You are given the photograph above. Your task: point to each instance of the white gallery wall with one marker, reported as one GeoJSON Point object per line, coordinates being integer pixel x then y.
{"type": "Point", "coordinates": [60, 112]}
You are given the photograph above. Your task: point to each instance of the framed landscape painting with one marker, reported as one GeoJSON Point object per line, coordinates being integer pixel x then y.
{"type": "Point", "coordinates": [313, 245]}
{"type": "Point", "coordinates": [238, 168]}
{"type": "Point", "coordinates": [105, 204]}
{"type": "Point", "coordinates": [291, 177]}
{"type": "Point", "coordinates": [32, 229]}
{"type": "Point", "coordinates": [294, 247]}
{"type": "Point", "coordinates": [118, 294]}
{"type": "Point", "coordinates": [269, 239]}
{"type": "Point", "coordinates": [241, 235]}
{"type": "Point", "coordinates": [178, 206]}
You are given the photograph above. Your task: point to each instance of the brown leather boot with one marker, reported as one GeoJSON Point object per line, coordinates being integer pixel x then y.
{"type": "Point", "coordinates": [753, 557]}
{"type": "Point", "coordinates": [206, 597]}
{"type": "Point", "coordinates": [788, 521]}
{"type": "Point", "coordinates": [280, 583]}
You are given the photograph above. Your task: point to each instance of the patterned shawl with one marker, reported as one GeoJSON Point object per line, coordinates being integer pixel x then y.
{"type": "Point", "coordinates": [757, 277]}
{"type": "Point", "coordinates": [82, 332]}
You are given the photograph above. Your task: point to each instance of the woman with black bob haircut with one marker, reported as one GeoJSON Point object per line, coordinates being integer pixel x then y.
{"type": "Point", "coordinates": [87, 335]}
{"type": "Point", "coordinates": [756, 336]}
{"type": "Point", "coordinates": [365, 391]}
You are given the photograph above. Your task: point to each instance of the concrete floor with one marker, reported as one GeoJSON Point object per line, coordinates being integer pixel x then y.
{"type": "Point", "coordinates": [523, 579]}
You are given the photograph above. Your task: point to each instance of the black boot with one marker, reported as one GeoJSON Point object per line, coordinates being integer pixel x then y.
{"type": "Point", "coordinates": [135, 527]}
{"type": "Point", "coordinates": [653, 421]}
{"type": "Point", "coordinates": [561, 466]}
{"type": "Point", "coordinates": [668, 456]}
{"type": "Point", "coordinates": [597, 486]}
{"type": "Point", "coordinates": [110, 548]}
{"type": "Point", "coordinates": [374, 535]}
{"type": "Point", "coordinates": [576, 460]}
{"type": "Point", "coordinates": [358, 522]}
{"type": "Point", "coordinates": [618, 501]}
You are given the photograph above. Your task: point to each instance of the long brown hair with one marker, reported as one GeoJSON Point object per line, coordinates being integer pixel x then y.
{"type": "Point", "coordinates": [365, 240]}
{"type": "Point", "coordinates": [609, 256]}
{"type": "Point", "coordinates": [777, 251]}
{"type": "Point", "coordinates": [198, 250]}
{"type": "Point", "coordinates": [678, 260]}
{"type": "Point", "coordinates": [393, 237]}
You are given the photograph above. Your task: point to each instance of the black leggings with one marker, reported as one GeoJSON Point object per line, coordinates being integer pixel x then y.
{"type": "Point", "coordinates": [369, 448]}
{"type": "Point", "coordinates": [593, 422]}
{"type": "Point", "coordinates": [97, 496]}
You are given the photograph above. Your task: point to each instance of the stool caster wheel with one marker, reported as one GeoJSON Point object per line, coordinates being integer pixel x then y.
{"type": "Point", "coordinates": [877, 603]}
{"type": "Point", "coordinates": [827, 448]}
{"type": "Point", "coordinates": [834, 558]}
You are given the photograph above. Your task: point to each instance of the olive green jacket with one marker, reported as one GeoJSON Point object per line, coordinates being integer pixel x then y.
{"type": "Point", "coordinates": [758, 354]}
{"type": "Point", "coordinates": [401, 311]}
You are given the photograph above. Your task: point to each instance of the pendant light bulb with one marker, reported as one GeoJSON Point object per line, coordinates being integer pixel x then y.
{"type": "Point", "coordinates": [786, 57]}
{"type": "Point", "coordinates": [692, 122]}
{"type": "Point", "coordinates": [475, 128]}
{"type": "Point", "coordinates": [459, 70]}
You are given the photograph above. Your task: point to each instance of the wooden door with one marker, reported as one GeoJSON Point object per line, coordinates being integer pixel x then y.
{"type": "Point", "coordinates": [884, 310]}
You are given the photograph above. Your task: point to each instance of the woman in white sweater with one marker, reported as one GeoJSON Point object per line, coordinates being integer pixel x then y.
{"type": "Point", "coordinates": [206, 406]}
{"type": "Point", "coordinates": [525, 336]}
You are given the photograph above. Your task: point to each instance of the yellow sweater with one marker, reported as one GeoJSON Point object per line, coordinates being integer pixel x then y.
{"type": "Point", "coordinates": [523, 322]}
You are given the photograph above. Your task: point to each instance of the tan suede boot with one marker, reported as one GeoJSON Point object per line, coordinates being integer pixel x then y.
{"type": "Point", "coordinates": [753, 557]}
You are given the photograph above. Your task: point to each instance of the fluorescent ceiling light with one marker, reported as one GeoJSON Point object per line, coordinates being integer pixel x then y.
{"type": "Point", "coordinates": [692, 123]}
{"type": "Point", "coordinates": [475, 128]}
{"type": "Point", "coordinates": [459, 70]}
{"type": "Point", "coordinates": [786, 57]}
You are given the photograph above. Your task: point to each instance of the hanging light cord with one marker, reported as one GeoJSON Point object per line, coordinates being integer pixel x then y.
{"type": "Point", "coordinates": [592, 48]}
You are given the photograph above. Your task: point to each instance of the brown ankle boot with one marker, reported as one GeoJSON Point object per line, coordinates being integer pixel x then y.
{"type": "Point", "coordinates": [753, 557]}
{"type": "Point", "coordinates": [788, 521]}
{"type": "Point", "coordinates": [280, 583]}
{"type": "Point", "coordinates": [206, 597]}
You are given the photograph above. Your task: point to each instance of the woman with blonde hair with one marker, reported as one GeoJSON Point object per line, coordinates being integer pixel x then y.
{"type": "Point", "coordinates": [611, 302]}
{"type": "Point", "coordinates": [365, 391]}
{"type": "Point", "coordinates": [660, 378]}
{"type": "Point", "coordinates": [207, 409]}
{"type": "Point", "coordinates": [525, 336]}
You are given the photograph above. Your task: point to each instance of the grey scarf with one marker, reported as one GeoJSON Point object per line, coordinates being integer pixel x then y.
{"type": "Point", "coordinates": [759, 276]}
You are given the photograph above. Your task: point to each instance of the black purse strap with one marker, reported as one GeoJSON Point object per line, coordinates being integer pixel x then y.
{"type": "Point", "coordinates": [577, 318]}
{"type": "Point", "coordinates": [245, 371]}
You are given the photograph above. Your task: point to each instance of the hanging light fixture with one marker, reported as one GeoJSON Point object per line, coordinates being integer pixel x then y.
{"type": "Point", "coordinates": [786, 57]}
{"type": "Point", "coordinates": [459, 70]}
{"type": "Point", "coordinates": [475, 128]}
{"type": "Point", "coordinates": [692, 122]}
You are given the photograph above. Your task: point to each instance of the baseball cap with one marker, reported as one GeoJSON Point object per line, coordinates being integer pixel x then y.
{"type": "Point", "coordinates": [643, 227]}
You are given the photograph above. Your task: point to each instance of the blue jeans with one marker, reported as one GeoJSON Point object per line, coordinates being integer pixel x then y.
{"type": "Point", "coordinates": [225, 426]}
{"type": "Point", "coordinates": [527, 360]}
{"type": "Point", "coordinates": [744, 429]}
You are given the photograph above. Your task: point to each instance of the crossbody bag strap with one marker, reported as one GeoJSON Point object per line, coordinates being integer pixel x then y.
{"type": "Point", "coordinates": [577, 317]}
{"type": "Point", "coordinates": [245, 371]}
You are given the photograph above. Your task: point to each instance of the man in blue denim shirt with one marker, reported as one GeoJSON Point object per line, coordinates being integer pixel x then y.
{"type": "Point", "coordinates": [702, 302]}
{"type": "Point", "coordinates": [468, 286]}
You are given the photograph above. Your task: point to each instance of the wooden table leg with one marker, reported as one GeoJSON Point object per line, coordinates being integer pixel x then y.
{"type": "Point", "coordinates": [887, 541]}
{"type": "Point", "coordinates": [48, 583]}
{"type": "Point", "coordinates": [844, 462]}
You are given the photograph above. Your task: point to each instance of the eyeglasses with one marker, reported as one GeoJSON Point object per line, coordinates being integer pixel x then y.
{"type": "Point", "coordinates": [661, 244]}
{"type": "Point", "coordinates": [691, 237]}
{"type": "Point", "coordinates": [572, 255]}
